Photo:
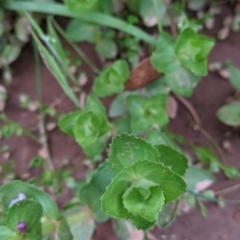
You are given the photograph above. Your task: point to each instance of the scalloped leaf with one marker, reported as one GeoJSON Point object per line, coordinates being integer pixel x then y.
{"type": "Point", "coordinates": [172, 158]}
{"type": "Point", "coordinates": [171, 184]}
{"type": "Point", "coordinates": [29, 212]}
{"type": "Point", "coordinates": [126, 149]}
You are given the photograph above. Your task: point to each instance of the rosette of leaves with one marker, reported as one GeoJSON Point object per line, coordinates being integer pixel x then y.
{"type": "Point", "coordinates": [112, 79]}
{"type": "Point", "coordinates": [146, 179]}
{"type": "Point", "coordinates": [189, 51]}
{"type": "Point", "coordinates": [89, 127]}
{"type": "Point", "coordinates": [145, 112]}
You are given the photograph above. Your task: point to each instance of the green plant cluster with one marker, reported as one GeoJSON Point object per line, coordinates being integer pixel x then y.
{"type": "Point", "coordinates": [145, 175]}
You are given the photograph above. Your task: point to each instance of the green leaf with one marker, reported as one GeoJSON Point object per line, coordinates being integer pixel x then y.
{"type": "Point", "coordinates": [80, 31]}
{"type": "Point", "coordinates": [163, 58]}
{"type": "Point", "coordinates": [182, 82]}
{"type": "Point", "coordinates": [234, 76]}
{"type": "Point", "coordinates": [11, 190]}
{"type": "Point", "coordinates": [118, 105]}
{"type": "Point", "coordinates": [144, 198]}
{"type": "Point", "coordinates": [28, 212]}
{"type": "Point", "coordinates": [112, 79]}
{"type": "Point", "coordinates": [168, 214]}
{"type": "Point", "coordinates": [155, 137]}
{"type": "Point", "coordinates": [126, 149]}
{"type": "Point", "coordinates": [90, 194]}
{"type": "Point", "coordinates": [204, 154]}
{"type": "Point", "coordinates": [8, 234]}
{"type": "Point", "coordinates": [230, 114]}
{"type": "Point", "coordinates": [170, 183]}
{"type": "Point", "coordinates": [97, 147]}
{"type": "Point", "coordinates": [146, 111]}
{"type": "Point", "coordinates": [79, 6]}
{"type": "Point", "coordinates": [192, 50]}
{"type": "Point", "coordinates": [22, 29]}
{"type": "Point", "coordinates": [171, 158]}
{"type": "Point", "coordinates": [122, 125]}
{"type": "Point", "coordinates": [10, 53]}
{"type": "Point", "coordinates": [68, 122]}
{"type": "Point", "coordinates": [106, 48]}
{"type": "Point", "coordinates": [147, 12]}
{"type": "Point", "coordinates": [86, 130]}
{"type": "Point", "coordinates": [194, 176]}
{"type": "Point", "coordinates": [231, 172]}
{"type": "Point", "coordinates": [55, 41]}
{"type": "Point", "coordinates": [63, 230]}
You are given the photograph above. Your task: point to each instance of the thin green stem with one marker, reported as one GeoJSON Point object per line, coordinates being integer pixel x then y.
{"type": "Point", "coordinates": [75, 47]}
{"type": "Point", "coordinates": [157, 16]}
{"type": "Point", "coordinates": [38, 72]}
{"type": "Point", "coordinates": [199, 195]}
{"type": "Point", "coordinates": [25, 131]}
{"type": "Point", "coordinates": [183, 5]}
{"type": "Point", "coordinates": [214, 143]}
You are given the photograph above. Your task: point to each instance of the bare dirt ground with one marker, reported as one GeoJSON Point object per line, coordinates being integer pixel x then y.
{"type": "Point", "coordinates": [220, 224]}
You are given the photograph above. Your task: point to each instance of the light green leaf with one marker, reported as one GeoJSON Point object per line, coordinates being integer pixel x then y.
{"type": "Point", "coordinates": [146, 111]}
{"type": "Point", "coordinates": [231, 171]}
{"type": "Point", "coordinates": [28, 212]}
{"type": "Point", "coordinates": [230, 114]}
{"type": "Point", "coordinates": [234, 76]}
{"type": "Point", "coordinates": [63, 230]}
{"type": "Point", "coordinates": [97, 147]}
{"type": "Point", "coordinates": [8, 234]}
{"type": "Point", "coordinates": [22, 29]}
{"type": "Point", "coordinates": [112, 79]}
{"type": "Point", "coordinates": [11, 190]}
{"type": "Point", "coordinates": [79, 6]}
{"type": "Point", "coordinates": [118, 105]}
{"type": "Point", "coordinates": [55, 41]}
{"type": "Point", "coordinates": [195, 176]}
{"type": "Point", "coordinates": [170, 183]}
{"type": "Point", "coordinates": [10, 53]}
{"type": "Point", "coordinates": [79, 31]}
{"type": "Point", "coordinates": [204, 154]}
{"type": "Point", "coordinates": [192, 50]}
{"type": "Point", "coordinates": [155, 137]}
{"type": "Point", "coordinates": [86, 130]}
{"type": "Point", "coordinates": [122, 125]}
{"type": "Point", "coordinates": [144, 198]}
{"type": "Point", "coordinates": [182, 82]}
{"type": "Point", "coordinates": [68, 122]}
{"type": "Point", "coordinates": [163, 58]}
{"type": "Point", "coordinates": [169, 157]}
{"type": "Point", "coordinates": [106, 48]}
{"type": "Point", "coordinates": [126, 149]}
{"type": "Point", "coordinates": [167, 215]}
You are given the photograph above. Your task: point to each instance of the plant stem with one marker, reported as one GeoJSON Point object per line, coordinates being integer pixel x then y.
{"type": "Point", "coordinates": [25, 131]}
{"type": "Point", "coordinates": [38, 73]}
{"type": "Point", "coordinates": [42, 132]}
{"type": "Point", "coordinates": [75, 47]}
{"type": "Point", "coordinates": [228, 190]}
{"type": "Point", "coordinates": [183, 5]}
{"type": "Point", "coordinates": [199, 195]}
{"type": "Point", "coordinates": [157, 16]}
{"type": "Point", "coordinates": [43, 139]}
